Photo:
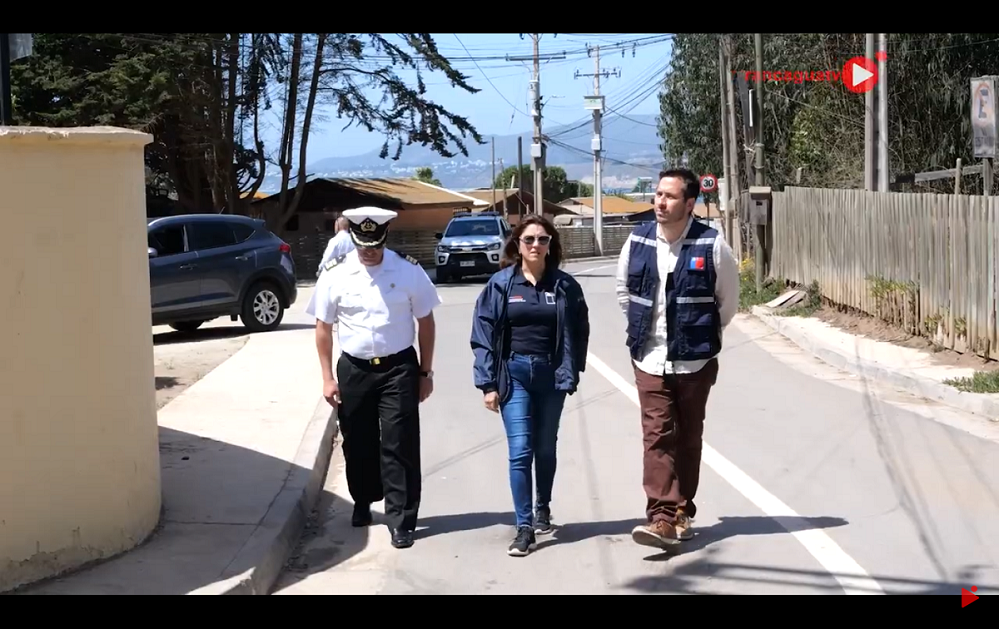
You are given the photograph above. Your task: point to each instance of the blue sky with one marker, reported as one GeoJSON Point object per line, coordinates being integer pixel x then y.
{"type": "Point", "coordinates": [502, 81]}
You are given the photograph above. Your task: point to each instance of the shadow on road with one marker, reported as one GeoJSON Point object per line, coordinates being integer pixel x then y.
{"type": "Point", "coordinates": [433, 525]}
{"type": "Point", "coordinates": [165, 382]}
{"type": "Point", "coordinates": [215, 494]}
{"type": "Point", "coordinates": [328, 539]}
{"type": "Point", "coordinates": [704, 572]}
{"type": "Point", "coordinates": [744, 526]}
{"type": "Point", "coordinates": [220, 332]}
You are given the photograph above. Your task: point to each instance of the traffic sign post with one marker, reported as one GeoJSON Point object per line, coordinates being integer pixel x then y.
{"type": "Point", "coordinates": [709, 183]}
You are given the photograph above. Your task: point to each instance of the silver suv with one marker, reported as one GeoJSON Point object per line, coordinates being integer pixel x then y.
{"type": "Point", "coordinates": [471, 245]}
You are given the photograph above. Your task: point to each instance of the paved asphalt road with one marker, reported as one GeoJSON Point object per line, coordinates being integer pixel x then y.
{"type": "Point", "coordinates": [813, 481]}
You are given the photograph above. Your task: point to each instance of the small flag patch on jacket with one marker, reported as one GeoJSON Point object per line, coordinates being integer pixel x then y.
{"type": "Point", "coordinates": [697, 263]}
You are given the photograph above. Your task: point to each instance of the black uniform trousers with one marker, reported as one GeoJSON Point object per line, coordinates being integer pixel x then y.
{"type": "Point", "coordinates": [379, 417]}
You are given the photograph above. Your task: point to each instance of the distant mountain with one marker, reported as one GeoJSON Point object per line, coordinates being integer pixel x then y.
{"type": "Point", "coordinates": [632, 140]}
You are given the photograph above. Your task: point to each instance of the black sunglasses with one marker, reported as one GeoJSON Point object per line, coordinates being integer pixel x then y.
{"type": "Point", "coordinates": [542, 240]}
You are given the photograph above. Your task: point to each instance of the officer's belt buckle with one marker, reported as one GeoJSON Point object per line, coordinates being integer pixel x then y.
{"type": "Point", "coordinates": [376, 361]}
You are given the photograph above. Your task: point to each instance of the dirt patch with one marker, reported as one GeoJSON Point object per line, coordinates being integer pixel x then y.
{"type": "Point", "coordinates": [178, 365]}
{"type": "Point", "coordinates": [875, 329]}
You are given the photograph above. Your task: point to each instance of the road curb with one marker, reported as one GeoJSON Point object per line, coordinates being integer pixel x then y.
{"type": "Point", "coordinates": [976, 403]}
{"type": "Point", "coordinates": [275, 537]}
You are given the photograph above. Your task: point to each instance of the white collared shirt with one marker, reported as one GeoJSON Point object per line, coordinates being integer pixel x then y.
{"type": "Point", "coordinates": [653, 355]}
{"type": "Point", "coordinates": [339, 245]}
{"type": "Point", "coordinates": [374, 307]}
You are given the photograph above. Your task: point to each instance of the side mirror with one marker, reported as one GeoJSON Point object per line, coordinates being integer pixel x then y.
{"type": "Point", "coordinates": [153, 253]}
{"type": "Point", "coordinates": [439, 235]}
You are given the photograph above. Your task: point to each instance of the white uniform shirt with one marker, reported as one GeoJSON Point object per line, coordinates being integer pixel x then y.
{"type": "Point", "coordinates": [374, 307]}
{"type": "Point", "coordinates": [339, 245]}
{"type": "Point", "coordinates": [653, 355]}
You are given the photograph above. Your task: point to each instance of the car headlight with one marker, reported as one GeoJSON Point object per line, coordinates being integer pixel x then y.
{"type": "Point", "coordinates": [495, 246]}
{"type": "Point", "coordinates": [441, 249]}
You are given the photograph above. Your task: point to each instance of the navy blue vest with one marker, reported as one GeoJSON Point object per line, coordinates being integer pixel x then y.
{"type": "Point", "coordinates": [693, 324]}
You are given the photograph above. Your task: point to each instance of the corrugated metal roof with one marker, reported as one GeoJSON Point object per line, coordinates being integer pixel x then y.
{"type": "Point", "coordinates": [487, 195]}
{"type": "Point", "coordinates": [408, 191]}
{"type": "Point", "coordinates": [614, 205]}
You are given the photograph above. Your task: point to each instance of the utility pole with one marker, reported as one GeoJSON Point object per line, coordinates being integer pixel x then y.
{"type": "Point", "coordinates": [882, 113]}
{"type": "Point", "coordinates": [758, 155]}
{"type": "Point", "coordinates": [493, 160]}
{"type": "Point", "coordinates": [870, 129]}
{"type": "Point", "coordinates": [537, 146]}
{"type": "Point", "coordinates": [6, 102]}
{"type": "Point", "coordinates": [726, 172]}
{"type": "Point", "coordinates": [734, 185]}
{"type": "Point", "coordinates": [520, 177]}
{"type": "Point", "coordinates": [596, 103]}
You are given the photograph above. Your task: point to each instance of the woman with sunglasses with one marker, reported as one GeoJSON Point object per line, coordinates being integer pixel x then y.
{"type": "Point", "coordinates": [530, 333]}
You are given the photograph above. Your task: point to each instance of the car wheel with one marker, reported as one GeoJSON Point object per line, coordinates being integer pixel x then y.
{"type": "Point", "coordinates": [262, 309]}
{"type": "Point", "coordinates": [187, 326]}
{"type": "Point", "coordinates": [442, 277]}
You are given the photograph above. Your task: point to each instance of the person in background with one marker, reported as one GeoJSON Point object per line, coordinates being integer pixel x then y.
{"type": "Point", "coordinates": [339, 245]}
{"type": "Point", "coordinates": [530, 333]}
{"type": "Point", "coordinates": [374, 294]}
{"type": "Point", "coordinates": [678, 285]}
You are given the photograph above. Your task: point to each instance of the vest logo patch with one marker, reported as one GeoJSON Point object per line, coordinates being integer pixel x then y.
{"type": "Point", "coordinates": [697, 264]}
{"type": "Point", "coordinates": [516, 299]}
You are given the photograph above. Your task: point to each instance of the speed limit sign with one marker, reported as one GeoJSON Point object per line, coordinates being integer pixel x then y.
{"type": "Point", "coordinates": [709, 183]}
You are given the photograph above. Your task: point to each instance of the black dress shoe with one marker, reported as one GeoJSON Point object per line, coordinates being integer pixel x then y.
{"type": "Point", "coordinates": [402, 538]}
{"type": "Point", "coordinates": [362, 515]}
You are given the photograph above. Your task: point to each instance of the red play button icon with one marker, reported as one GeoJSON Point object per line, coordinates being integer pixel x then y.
{"type": "Point", "coordinates": [860, 75]}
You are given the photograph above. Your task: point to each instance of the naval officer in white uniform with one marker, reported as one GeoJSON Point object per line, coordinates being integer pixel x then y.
{"type": "Point", "coordinates": [373, 294]}
{"type": "Point", "coordinates": [339, 245]}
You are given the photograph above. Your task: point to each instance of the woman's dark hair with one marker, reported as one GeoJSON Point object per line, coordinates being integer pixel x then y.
{"type": "Point", "coordinates": [511, 250]}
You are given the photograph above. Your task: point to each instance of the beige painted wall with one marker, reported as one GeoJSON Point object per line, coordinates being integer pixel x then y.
{"type": "Point", "coordinates": [79, 454]}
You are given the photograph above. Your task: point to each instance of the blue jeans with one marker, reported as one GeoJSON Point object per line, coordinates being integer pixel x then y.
{"type": "Point", "coordinates": [531, 417]}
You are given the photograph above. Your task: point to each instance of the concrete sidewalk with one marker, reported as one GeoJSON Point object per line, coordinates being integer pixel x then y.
{"type": "Point", "coordinates": [244, 453]}
{"type": "Point", "coordinates": [904, 368]}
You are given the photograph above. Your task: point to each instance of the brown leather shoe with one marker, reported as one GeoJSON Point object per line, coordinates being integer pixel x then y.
{"type": "Point", "coordinates": [659, 534]}
{"type": "Point", "coordinates": [683, 526]}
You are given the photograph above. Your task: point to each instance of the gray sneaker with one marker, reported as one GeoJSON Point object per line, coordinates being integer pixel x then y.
{"type": "Point", "coordinates": [524, 543]}
{"type": "Point", "coordinates": [543, 522]}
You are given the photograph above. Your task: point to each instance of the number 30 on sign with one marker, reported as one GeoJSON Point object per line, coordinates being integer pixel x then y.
{"type": "Point", "coordinates": [709, 183]}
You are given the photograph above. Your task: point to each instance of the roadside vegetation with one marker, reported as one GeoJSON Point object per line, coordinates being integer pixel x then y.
{"type": "Point", "coordinates": [772, 289]}
{"type": "Point", "coordinates": [980, 382]}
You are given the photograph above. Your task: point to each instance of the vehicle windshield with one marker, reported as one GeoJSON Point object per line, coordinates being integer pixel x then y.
{"type": "Point", "coordinates": [472, 228]}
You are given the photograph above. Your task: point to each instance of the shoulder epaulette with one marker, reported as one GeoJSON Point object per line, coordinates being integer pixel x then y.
{"type": "Point", "coordinates": [333, 262]}
{"type": "Point", "coordinates": [408, 258]}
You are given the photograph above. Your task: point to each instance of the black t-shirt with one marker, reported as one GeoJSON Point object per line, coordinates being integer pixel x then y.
{"type": "Point", "coordinates": [531, 314]}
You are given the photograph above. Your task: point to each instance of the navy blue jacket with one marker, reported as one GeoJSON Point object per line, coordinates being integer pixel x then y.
{"type": "Point", "coordinates": [490, 332]}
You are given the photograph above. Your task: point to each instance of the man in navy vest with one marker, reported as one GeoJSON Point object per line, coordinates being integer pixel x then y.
{"type": "Point", "coordinates": [678, 284]}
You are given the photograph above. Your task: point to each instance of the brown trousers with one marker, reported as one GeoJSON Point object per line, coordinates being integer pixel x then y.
{"type": "Point", "coordinates": [673, 409]}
